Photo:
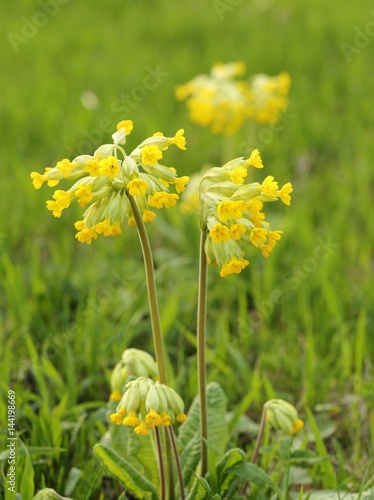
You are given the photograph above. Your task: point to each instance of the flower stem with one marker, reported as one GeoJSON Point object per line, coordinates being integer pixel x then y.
{"type": "Point", "coordinates": [177, 461]}
{"type": "Point", "coordinates": [161, 464]}
{"type": "Point", "coordinates": [156, 331]}
{"type": "Point", "coordinates": [258, 444]}
{"type": "Point", "coordinates": [201, 323]}
{"type": "Point", "coordinates": [259, 436]}
{"type": "Point", "coordinates": [152, 292]}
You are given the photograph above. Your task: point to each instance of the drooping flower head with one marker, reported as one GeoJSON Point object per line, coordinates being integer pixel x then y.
{"type": "Point", "coordinates": [134, 363]}
{"type": "Point", "coordinates": [269, 97]}
{"type": "Point", "coordinates": [147, 404]}
{"type": "Point", "coordinates": [217, 100]}
{"type": "Point", "coordinates": [231, 212]}
{"type": "Point", "coordinates": [283, 416]}
{"type": "Point", "coordinates": [104, 182]}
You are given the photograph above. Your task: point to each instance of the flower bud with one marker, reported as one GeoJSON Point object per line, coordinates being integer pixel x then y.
{"type": "Point", "coordinates": [118, 380]}
{"type": "Point", "coordinates": [139, 363]}
{"type": "Point", "coordinates": [104, 151]}
{"type": "Point", "coordinates": [283, 416]}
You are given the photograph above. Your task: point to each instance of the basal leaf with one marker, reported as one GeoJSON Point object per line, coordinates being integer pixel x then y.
{"type": "Point", "coordinates": [139, 451]}
{"type": "Point", "coordinates": [134, 482]}
{"type": "Point", "coordinates": [232, 457]}
{"type": "Point", "coordinates": [189, 458]}
{"type": "Point", "coordinates": [254, 474]}
{"type": "Point", "coordinates": [200, 490]}
{"type": "Point", "coordinates": [218, 433]}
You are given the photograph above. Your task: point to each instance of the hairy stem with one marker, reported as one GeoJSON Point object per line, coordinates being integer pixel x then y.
{"type": "Point", "coordinates": [201, 323]}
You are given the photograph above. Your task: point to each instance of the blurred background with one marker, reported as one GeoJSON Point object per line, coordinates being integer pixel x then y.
{"type": "Point", "coordinates": [298, 325]}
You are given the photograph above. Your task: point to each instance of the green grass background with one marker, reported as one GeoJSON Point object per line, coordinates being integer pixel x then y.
{"type": "Point", "coordinates": [68, 310]}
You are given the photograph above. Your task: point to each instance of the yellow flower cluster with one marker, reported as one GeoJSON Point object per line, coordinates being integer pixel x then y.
{"type": "Point", "coordinates": [105, 183]}
{"type": "Point", "coordinates": [147, 404]}
{"type": "Point", "coordinates": [223, 103]}
{"type": "Point", "coordinates": [231, 211]}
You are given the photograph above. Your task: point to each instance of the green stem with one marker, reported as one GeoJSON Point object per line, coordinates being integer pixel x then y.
{"type": "Point", "coordinates": [177, 461]}
{"type": "Point", "coordinates": [161, 464]}
{"type": "Point", "coordinates": [156, 325]}
{"type": "Point", "coordinates": [259, 436]}
{"type": "Point", "coordinates": [152, 292]}
{"type": "Point", "coordinates": [258, 444]}
{"type": "Point", "coordinates": [201, 322]}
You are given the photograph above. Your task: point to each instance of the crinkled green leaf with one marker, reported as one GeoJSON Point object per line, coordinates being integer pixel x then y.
{"type": "Point", "coordinates": [139, 451]}
{"type": "Point", "coordinates": [231, 458]}
{"type": "Point", "coordinates": [218, 433]}
{"type": "Point", "coordinates": [200, 490]}
{"type": "Point", "coordinates": [254, 474]}
{"type": "Point", "coordinates": [189, 457]}
{"type": "Point", "coordinates": [132, 480]}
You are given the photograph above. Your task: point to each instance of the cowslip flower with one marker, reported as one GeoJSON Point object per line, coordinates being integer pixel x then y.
{"type": "Point", "coordinates": [134, 363]}
{"type": "Point", "coordinates": [283, 416]}
{"type": "Point", "coordinates": [217, 100]}
{"type": "Point", "coordinates": [268, 96]}
{"type": "Point", "coordinates": [147, 404]}
{"type": "Point", "coordinates": [231, 212]}
{"type": "Point", "coordinates": [104, 182]}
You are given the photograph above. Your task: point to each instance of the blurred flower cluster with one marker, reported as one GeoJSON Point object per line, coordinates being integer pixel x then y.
{"type": "Point", "coordinates": [231, 211]}
{"type": "Point", "coordinates": [222, 102]}
{"type": "Point", "coordinates": [147, 404]}
{"type": "Point", "coordinates": [104, 183]}
{"type": "Point", "coordinates": [133, 363]}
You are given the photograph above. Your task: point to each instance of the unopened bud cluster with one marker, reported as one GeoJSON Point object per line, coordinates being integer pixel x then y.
{"type": "Point", "coordinates": [231, 211]}
{"type": "Point", "coordinates": [283, 416]}
{"type": "Point", "coordinates": [223, 103]}
{"type": "Point", "coordinates": [134, 363]}
{"type": "Point", "coordinates": [104, 183]}
{"type": "Point", "coordinates": [147, 404]}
